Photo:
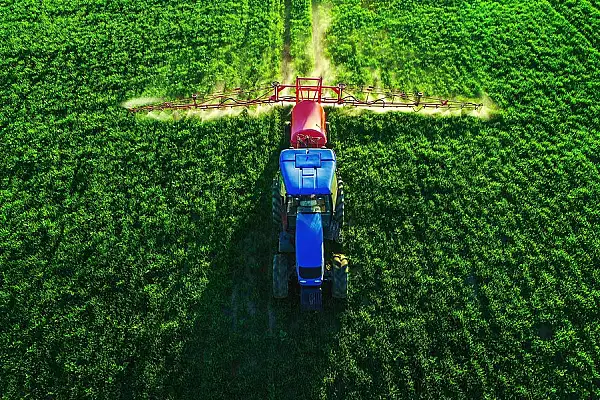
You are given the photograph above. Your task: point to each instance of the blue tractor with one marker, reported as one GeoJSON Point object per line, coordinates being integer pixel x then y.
{"type": "Point", "coordinates": [308, 211]}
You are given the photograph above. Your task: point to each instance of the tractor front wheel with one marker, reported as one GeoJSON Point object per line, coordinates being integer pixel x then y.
{"type": "Point", "coordinates": [280, 276]}
{"type": "Point", "coordinates": [340, 276]}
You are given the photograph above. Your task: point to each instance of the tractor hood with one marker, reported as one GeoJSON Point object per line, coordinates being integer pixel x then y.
{"type": "Point", "coordinates": [307, 171]}
{"type": "Point", "coordinates": [309, 249]}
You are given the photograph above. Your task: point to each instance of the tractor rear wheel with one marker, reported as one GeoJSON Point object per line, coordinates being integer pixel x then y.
{"type": "Point", "coordinates": [340, 276]}
{"type": "Point", "coordinates": [276, 201]}
{"type": "Point", "coordinates": [339, 211]}
{"type": "Point", "coordinates": [280, 276]}
{"type": "Point", "coordinates": [287, 133]}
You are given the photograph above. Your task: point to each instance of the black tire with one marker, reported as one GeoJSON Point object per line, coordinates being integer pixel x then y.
{"type": "Point", "coordinates": [339, 212]}
{"type": "Point", "coordinates": [276, 202]}
{"type": "Point", "coordinates": [287, 134]}
{"type": "Point", "coordinates": [340, 276]}
{"type": "Point", "coordinates": [280, 276]}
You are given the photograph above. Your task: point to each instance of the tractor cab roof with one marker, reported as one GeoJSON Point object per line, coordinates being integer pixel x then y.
{"type": "Point", "coordinates": [307, 171]}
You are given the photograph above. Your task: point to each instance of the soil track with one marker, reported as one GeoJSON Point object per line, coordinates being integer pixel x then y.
{"type": "Point", "coordinates": [287, 69]}
{"type": "Point", "coordinates": [321, 19]}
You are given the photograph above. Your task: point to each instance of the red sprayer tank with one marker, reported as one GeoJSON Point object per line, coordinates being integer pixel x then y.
{"type": "Point", "coordinates": [308, 125]}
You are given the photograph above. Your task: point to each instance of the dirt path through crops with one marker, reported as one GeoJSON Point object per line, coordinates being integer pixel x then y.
{"type": "Point", "coordinates": [287, 69]}
{"type": "Point", "coordinates": [321, 19]}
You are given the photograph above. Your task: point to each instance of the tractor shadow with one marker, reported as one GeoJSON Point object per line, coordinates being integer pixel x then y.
{"type": "Point", "coordinates": [213, 329]}
{"type": "Point", "coordinates": [244, 343]}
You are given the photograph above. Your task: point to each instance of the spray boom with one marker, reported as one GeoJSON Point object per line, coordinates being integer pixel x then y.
{"type": "Point", "coordinates": [311, 89]}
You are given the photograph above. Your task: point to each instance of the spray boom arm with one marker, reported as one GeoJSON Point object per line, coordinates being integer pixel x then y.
{"type": "Point", "coordinates": [311, 89]}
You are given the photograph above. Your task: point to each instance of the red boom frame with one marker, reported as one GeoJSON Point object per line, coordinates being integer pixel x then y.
{"type": "Point", "coordinates": [311, 89]}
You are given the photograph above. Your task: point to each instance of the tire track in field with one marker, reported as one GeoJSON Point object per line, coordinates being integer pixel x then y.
{"type": "Point", "coordinates": [286, 57]}
{"type": "Point", "coordinates": [78, 184]}
{"type": "Point", "coordinates": [320, 22]}
{"type": "Point", "coordinates": [589, 38]}
{"type": "Point", "coordinates": [321, 19]}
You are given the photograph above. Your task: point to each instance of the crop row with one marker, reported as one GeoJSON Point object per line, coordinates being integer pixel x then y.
{"type": "Point", "coordinates": [583, 16]}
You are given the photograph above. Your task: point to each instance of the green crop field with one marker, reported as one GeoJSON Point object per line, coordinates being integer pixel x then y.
{"type": "Point", "coordinates": [135, 254]}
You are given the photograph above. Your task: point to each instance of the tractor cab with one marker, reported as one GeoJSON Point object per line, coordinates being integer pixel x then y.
{"type": "Point", "coordinates": [308, 185]}
{"type": "Point", "coordinates": [307, 180]}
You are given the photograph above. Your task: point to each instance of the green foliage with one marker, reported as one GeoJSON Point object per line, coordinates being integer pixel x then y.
{"type": "Point", "coordinates": [135, 255]}
{"type": "Point", "coordinates": [474, 257]}
{"type": "Point", "coordinates": [482, 235]}
{"type": "Point", "coordinates": [581, 17]}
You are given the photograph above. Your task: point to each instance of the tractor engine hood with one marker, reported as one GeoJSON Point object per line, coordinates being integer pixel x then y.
{"type": "Point", "coordinates": [309, 249]}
